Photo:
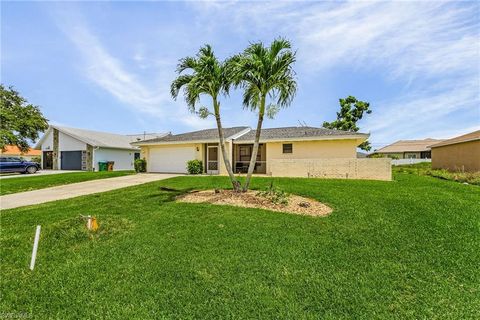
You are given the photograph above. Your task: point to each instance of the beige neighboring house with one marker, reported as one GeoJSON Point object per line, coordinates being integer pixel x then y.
{"type": "Point", "coordinates": [408, 149]}
{"type": "Point", "coordinates": [458, 154]}
{"type": "Point", "coordinates": [286, 151]}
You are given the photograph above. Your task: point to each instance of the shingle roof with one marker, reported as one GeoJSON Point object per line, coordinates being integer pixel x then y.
{"type": "Point", "coordinates": [408, 146]}
{"type": "Point", "coordinates": [98, 138]}
{"type": "Point", "coordinates": [201, 135]}
{"type": "Point", "coordinates": [472, 136]}
{"type": "Point", "coordinates": [297, 132]}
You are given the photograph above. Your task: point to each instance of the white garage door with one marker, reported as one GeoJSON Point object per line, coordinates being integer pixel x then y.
{"type": "Point", "coordinates": [171, 159]}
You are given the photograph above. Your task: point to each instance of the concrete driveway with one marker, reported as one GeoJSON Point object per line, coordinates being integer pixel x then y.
{"type": "Point", "coordinates": [73, 190]}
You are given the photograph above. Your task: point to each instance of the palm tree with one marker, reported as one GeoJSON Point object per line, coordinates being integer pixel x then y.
{"type": "Point", "coordinates": [264, 72]}
{"type": "Point", "coordinates": [207, 76]}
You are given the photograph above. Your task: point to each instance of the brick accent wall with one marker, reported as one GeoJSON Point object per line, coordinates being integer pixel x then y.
{"type": "Point", "coordinates": [56, 154]}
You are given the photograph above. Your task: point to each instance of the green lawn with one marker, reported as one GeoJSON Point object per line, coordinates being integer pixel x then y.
{"type": "Point", "coordinates": [20, 184]}
{"type": "Point", "coordinates": [425, 169]}
{"type": "Point", "coordinates": [407, 249]}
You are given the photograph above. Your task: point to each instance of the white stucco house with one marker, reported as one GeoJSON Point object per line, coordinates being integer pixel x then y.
{"type": "Point", "coordinates": [65, 148]}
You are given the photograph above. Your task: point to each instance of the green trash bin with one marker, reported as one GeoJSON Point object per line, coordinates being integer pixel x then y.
{"type": "Point", "coordinates": [102, 166]}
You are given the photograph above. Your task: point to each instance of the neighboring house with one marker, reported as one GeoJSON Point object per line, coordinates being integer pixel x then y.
{"type": "Point", "coordinates": [78, 149]}
{"type": "Point", "coordinates": [458, 154]}
{"type": "Point", "coordinates": [302, 147]}
{"type": "Point", "coordinates": [408, 149]}
{"type": "Point", "coordinates": [13, 151]}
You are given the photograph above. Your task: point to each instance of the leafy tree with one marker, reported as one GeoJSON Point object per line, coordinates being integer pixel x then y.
{"type": "Point", "coordinates": [206, 76]}
{"type": "Point", "coordinates": [351, 111]}
{"type": "Point", "coordinates": [20, 122]}
{"type": "Point", "coordinates": [264, 73]}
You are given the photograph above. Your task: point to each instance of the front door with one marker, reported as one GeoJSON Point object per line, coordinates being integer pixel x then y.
{"type": "Point", "coordinates": [212, 159]}
{"type": "Point", "coordinates": [47, 159]}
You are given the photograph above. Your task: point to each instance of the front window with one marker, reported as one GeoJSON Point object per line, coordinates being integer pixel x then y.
{"type": "Point", "coordinates": [287, 148]}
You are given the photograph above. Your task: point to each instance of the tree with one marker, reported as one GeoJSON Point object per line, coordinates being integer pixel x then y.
{"type": "Point", "coordinates": [264, 73]}
{"type": "Point", "coordinates": [20, 122]}
{"type": "Point", "coordinates": [351, 111]}
{"type": "Point", "coordinates": [207, 76]}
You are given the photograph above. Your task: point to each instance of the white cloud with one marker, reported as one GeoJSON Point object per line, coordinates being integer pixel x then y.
{"type": "Point", "coordinates": [110, 74]}
{"type": "Point", "coordinates": [432, 47]}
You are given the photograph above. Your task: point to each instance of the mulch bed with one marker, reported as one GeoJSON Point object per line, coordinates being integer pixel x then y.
{"type": "Point", "coordinates": [251, 199]}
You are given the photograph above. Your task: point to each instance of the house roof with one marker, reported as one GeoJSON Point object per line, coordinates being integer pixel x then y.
{"type": "Point", "coordinates": [195, 136]}
{"type": "Point", "coordinates": [472, 136]}
{"type": "Point", "coordinates": [300, 133]}
{"type": "Point", "coordinates": [408, 146]}
{"type": "Point", "coordinates": [14, 151]}
{"type": "Point", "coordinates": [97, 138]}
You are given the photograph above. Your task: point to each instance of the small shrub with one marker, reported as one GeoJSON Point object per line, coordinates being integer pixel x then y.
{"type": "Point", "coordinates": [140, 165]}
{"type": "Point", "coordinates": [376, 155]}
{"type": "Point", "coordinates": [36, 159]}
{"type": "Point", "coordinates": [194, 167]}
{"type": "Point", "coordinates": [275, 195]}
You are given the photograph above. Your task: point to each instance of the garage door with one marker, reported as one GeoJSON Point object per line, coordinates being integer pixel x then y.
{"type": "Point", "coordinates": [172, 160]}
{"type": "Point", "coordinates": [71, 160]}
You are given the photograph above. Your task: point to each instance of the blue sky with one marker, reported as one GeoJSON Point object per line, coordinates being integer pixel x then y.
{"type": "Point", "coordinates": [108, 65]}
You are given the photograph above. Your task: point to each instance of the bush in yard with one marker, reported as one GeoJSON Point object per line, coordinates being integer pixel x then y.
{"type": "Point", "coordinates": [36, 159]}
{"type": "Point", "coordinates": [140, 165]}
{"type": "Point", "coordinates": [275, 195]}
{"type": "Point", "coordinates": [194, 167]}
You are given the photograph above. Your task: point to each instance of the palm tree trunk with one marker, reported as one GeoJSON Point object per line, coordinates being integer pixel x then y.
{"type": "Point", "coordinates": [236, 185]}
{"type": "Point", "coordinates": [256, 143]}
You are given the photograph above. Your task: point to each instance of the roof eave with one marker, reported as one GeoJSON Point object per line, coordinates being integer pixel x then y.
{"type": "Point", "coordinates": [445, 143]}
{"type": "Point", "coordinates": [155, 143]}
{"type": "Point", "coordinates": [360, 137]}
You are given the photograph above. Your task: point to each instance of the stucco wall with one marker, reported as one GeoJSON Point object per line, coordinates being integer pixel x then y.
{"type": "Point", "coordinates": [339, 168]}
{"type": "Point", "coordinates": [457, 157]}
{"type": "Point", "coordinates": [123, 158]}
{"type": "Point", "coordinates": [65, 143]}
{"type": "Point", "coordinates": [402, 155]}
{"type": "Point", "coordinates": [199, 151]}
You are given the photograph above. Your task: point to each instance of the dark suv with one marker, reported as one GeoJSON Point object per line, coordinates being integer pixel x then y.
{"type": "Point", "coordinates": [14, 164]}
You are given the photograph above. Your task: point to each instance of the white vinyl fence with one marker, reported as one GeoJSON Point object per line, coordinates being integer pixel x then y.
{"type": "Point", "coordinates": [409, 161]}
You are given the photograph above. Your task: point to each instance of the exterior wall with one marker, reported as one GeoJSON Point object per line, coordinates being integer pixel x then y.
{"type": "Point", "coordinates": [320, 149]}
{"type": "Point", "coordinates": [65, 143]}
{"type": "Point", "coordinates": [89, 160]}
{"type": "Point", "coordinates": [412, 155]}
{"type": "Point", "coordinates": [199, 151]}
{"type": "Point", "coordinates": [463, 156]}
{"type": "Point", "coordinates": [123, 158]}
{"type": "Point", "coordinates": [222, 168]}
{"type": "Point", "coordinates": [338, 168]}
{"type": "Point", "coordinates": [402, 155]}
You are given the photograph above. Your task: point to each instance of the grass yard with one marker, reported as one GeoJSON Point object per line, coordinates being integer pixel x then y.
{"type": "Point", "coordinates": [425, 169]}
{"type": "Point", "coordinates": [407, 249]}
{"type": "Point", "coordinates": [20, 184]}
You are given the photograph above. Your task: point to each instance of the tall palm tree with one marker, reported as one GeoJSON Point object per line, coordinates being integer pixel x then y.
{"type": "Point", "coordinates": [206, 76]}
{"type": "Point", "coordinates": [264, 73]}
